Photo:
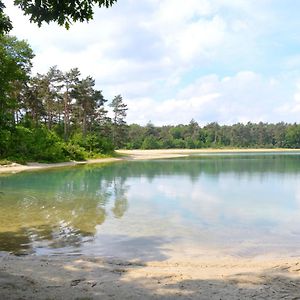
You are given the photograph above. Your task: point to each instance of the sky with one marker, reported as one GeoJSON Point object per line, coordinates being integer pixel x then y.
{"type": "Point", "coordinates": [224, 61]}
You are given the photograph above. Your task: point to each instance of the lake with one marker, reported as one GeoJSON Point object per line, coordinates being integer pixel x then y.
{"type": "Point", "coordinates": [221, 204]}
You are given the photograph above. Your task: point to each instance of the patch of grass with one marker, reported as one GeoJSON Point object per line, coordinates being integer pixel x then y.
{"type": "Point", "coordinates": [4, 162]}
{"type": "Point", "coordinates": [92, 155]}
{"type": "Point", "coordinates": [118, 155]}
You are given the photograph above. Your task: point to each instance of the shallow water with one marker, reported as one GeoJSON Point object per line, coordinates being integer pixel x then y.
{"type": "Point", "coordinates": [240, 205]}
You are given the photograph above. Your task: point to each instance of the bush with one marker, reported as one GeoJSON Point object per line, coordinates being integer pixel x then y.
{"type": "Point", "coordinates": [5, 137]}
{"type": "Point", "coordinates": [293, 136]}
{"type": "Point", "coordinates": [37, 144]}
{"type": "Point", "coordinates": [47, 146]}
{"type": "Point", "coordinates": [41, 144]}
{"type": "Point", "coordinates": [179, 143]}
{"type": "Point", "coordinates": [74, 152]}
{"type": "Point", "coordinates": [93, 143]}
{"type": "Point", "coordinates": [4, 162]}
{"type": "Point", "coordinates": [150, 142]}
{"type": "Point", "coordinates": [22, 143]}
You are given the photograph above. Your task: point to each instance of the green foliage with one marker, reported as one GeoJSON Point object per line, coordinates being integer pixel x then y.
{"type": "Point", "coordinates": [61, 12]}
{"type": "Point", "coordinates": [213, 135]}
{"type": "Point", "coordinates": [167, 143]}
{"type": "Point", "coordinates": [5, 136]}
{"type": "Point", "coordinates": [74, 152]}
{"type": "Point", "coordinates": [90, 145]}
{"type": "Point", "coordinates": [150, 142]}
{"type": "Point", "coordinates": [37, 144]}
{"type": "Point", "coordinates": [15, 64]}
{"type": "Point", "coordinates": [135, 136]}
{"type": "Point", "coordinates": [119, 129]}
{"type": "Point", "coordinates": [293, 136]}
{"type": "Point", "coordinates": [48, 146]}
{"type": "Point", "coordinates": [4, 162]}
{"type": "Point", "coordinates": [43, 145]}
{"type": "Point", "coordinates": [38, 115]}
{"type": "Point", "coordinates": [5, 23]}
{"type": "Point", "coordinates": [179, 143]}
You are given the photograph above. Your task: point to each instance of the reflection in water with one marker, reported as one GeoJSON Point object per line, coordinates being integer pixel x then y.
{"type": "Point", "coordinates": [245, 204]}
{"type": "Point", "coordinates": [56, 209]}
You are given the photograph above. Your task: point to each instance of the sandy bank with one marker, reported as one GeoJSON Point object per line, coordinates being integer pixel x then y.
{"type": "Point", "coordinates": [66, 277]}
{"type": "Point", "coordinates": [15, 168]}
{"type": "Point", "coordinates": [170, 153]}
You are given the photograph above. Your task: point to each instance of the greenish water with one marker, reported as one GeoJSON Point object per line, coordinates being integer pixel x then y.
{"type": "Point", "coordinates": [242, 205]}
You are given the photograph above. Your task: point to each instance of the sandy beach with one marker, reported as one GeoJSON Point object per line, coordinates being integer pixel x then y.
{"type": "Point", "coordinates": [171, 153]}
{"type": "Point", "coordinates": [66, 277]}
{"type": "Point", "coordinates": [174, 277]}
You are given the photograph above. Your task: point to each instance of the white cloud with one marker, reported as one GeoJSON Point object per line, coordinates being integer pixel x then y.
{"type": "Point", "coordinates": [292, 107]}
{"type": "Point", "coordinates": [169, 111]}
{"type": "Point", "coordinates": [160, 40]}
{"type": "Point", "coordinates": [183, 31]}
{"type": "Point", "coordinates": [199, 38]}
{"type": "Point", "coordinates": [155, 53]}
{"type": "Point", "coordinates": [244, 97]}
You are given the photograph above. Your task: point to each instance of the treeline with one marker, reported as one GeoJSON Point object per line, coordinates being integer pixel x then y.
{"type": "Point", "coordinates": [54, 116]}
{"type": "Point", "coordinates": [213, 135]}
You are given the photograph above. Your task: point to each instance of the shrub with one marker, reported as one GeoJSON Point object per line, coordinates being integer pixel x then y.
{"type": "Point", "coordinates": [150, 142]}
{"type": "Point", "coordinates": [74, 152]}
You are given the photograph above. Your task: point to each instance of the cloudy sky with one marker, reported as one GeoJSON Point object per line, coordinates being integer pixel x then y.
{"type": "Point", "coordinates": [212, 60]}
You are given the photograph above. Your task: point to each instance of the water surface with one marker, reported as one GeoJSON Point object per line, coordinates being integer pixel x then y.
{"type": "Point", "coordinates": [241, 205]}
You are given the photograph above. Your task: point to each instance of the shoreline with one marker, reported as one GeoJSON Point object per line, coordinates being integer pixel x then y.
{"type": "Point", "coordinates": [173, 153]}
{"type": "Point", "coordinates": [136, 155]}
{"type": "Point", "coordinates": [16, 168]}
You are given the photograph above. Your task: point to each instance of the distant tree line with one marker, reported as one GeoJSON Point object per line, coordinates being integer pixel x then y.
{"type": "Point", "coordinates": [213, 135]}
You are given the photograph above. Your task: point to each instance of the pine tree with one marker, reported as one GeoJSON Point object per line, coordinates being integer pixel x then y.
{"type": "Point", "coordinates": [71, 79]}
{"type": "Point", "coordinates": [119, 124]}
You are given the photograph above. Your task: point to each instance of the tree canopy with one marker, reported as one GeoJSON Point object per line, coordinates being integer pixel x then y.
{"type": "Point", "coordinates": [60, 11]}
{"type": "Point", "coordinates": [15, 58]}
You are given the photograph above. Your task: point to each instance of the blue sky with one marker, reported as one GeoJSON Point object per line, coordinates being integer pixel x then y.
{"type": "Point", "coordinates": [212, 60]}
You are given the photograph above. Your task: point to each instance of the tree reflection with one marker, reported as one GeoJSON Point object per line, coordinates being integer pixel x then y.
{"type": "Point", "coordinates": [120, 201]}
{"type": "Point", "coordinates": [65, 216]}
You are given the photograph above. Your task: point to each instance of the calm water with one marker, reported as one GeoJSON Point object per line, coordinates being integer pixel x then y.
{"type": "Point", "coordinates": [240, 205]}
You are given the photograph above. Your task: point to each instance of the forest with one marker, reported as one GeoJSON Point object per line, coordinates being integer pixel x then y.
{"type": "Point", "coordinates": [60, 116]}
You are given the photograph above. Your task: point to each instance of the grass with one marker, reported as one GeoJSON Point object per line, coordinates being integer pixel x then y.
{"type": "Point", "coordinates": [24, 161]}
{"type": "Point", "coordinates": [4, 162]}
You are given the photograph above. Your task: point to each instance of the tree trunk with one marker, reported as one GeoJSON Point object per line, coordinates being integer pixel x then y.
{"type": "Point", "coordinates": [66, 116]}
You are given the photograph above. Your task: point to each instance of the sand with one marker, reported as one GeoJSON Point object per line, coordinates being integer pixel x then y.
{"type": "Point", "coordinates": [170, 153]}
{"type": "Point", "coordinates": [65, 277]}
{"type": "Point", "coordinates": [15, 168]}
{"type": "Point", "coordinates": [85, 277]}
